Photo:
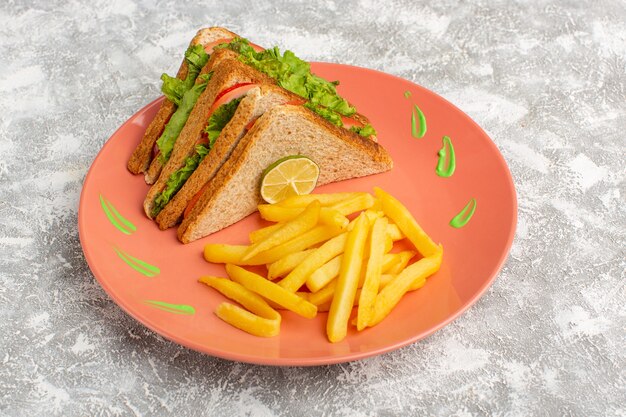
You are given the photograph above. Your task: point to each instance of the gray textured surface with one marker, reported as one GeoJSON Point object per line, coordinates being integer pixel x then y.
{"type": "Point", "coordinates": [546, 81]}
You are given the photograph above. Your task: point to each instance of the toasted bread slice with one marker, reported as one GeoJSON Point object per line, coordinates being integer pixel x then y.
{"type": "Point", "coordinates": [283, 130]}
{"type": "Point", "coordinates": [142, 155]}
{"type": "Point", "coordinates": [256, 102]}
{"type": "Point", "coordinates": [227, 73]}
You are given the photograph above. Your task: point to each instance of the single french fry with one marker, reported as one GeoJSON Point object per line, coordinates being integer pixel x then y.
{"type": "Point", "coordinates": [285, 265]}
{"type": "Point", "coordinates": [371, 217]}
{"type": "Point", "coordinates": [324, 274]}
{"type": "Point", "coordinates": [218, 253]}
{"type": "Point", "coordinates": [372, 273]}
{"type": "Point", "coordinates": [261, 321]}
{"type": "Point", "coordinates": [407, 224]}
{"type": "Point", "coordinates": [301, 294]}
{"type": "Point", "coordinates": [311, 238]}
{"type": "Point", "coordinates": [384, 280]}
{"type": "Point", "coordinates": [314, 261]}
{"type": "Point", "coordinates": [277, 213]}
{"type": "Point", "coordinates": [389, 296]}
{"type": "Point", "coordinates": [325, 295]}
{"type": "Point", "coordinates": [332, 217]}
{"type": "Point", "coordinates": [324, 199]}
{"type": "Point", "coordinates": [271, 291]}
{"type": "Point", "coordinates": [362, 201]}
{"type": "Point", "coordinates": [304, 222]}
{"type": "Point", "coordinates": [264, 232]}
{"type": "Point", "coordinates": [394, 232]}
{"type": "Point", "coordinates": [389, 260]}
{"type": "Point", "coordinates": [418, 284]}
{"type": "Point", "coordinates": [377, 206]}
{"type": "Point", "coordinates": [402, 261]}
{"type": "Point", "coordinates": [347, 282]}
{"type": "Point", "coordinates": [246, 321]}
{"type": "Point", "coordinates": [396, 261]}
{"type": "Point", "coordinates": [387, 243]}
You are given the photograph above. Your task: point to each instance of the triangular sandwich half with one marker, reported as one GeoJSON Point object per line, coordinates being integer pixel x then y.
{"type": "Point", "coordinates": [196, 57]}
{"type": "Point", "coordinates": [282, 131]}
{"type": "Point", "coordinates": [229, 123]}
{"type": "Point", "coordinates": [229, 78]}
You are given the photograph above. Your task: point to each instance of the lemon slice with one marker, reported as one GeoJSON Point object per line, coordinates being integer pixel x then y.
{"type": "Point", "coordinates": [289, 176]}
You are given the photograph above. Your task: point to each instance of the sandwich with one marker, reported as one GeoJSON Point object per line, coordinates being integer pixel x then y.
{"type": "Point", "coordinates": [231, 77]}
{"type": "Point", "coordinates": [233, 117]}
{"type": "Point", "coordinates": [205, 133]}
{"type": "Point", "coordinates": [284, 130]}
{"type": "Point", "coordinates": [181, 93]}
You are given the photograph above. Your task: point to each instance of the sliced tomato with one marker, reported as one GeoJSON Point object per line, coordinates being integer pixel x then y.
{"type": "Point", "coordinates": [194, 200]}
{"type": "Point", "coordinates": [256, 47]}
{"type": "Point", "coordinates": [232, 92]}
{"type": "Point", "coordinates": [296, 102]}
{"type": "Point", "coordinates": [348, 122]}
{"type": "Point", "coordinates": [204, 139]}
{"type": "Point", "coordinates": [211, 45]}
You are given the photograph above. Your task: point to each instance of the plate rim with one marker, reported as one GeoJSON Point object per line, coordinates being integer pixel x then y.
{"type": "Point", "coordinates": [321, 360]}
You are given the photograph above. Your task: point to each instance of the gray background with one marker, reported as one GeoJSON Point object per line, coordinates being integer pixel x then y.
{"type": "Point", "coordinates": [547, 81]}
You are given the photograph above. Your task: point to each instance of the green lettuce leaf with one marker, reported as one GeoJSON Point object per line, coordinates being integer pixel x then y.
{"type": "Point", "coordinates": [196, 58]}
{"type": "Point", "coordinates": [367, 130]}
{"type": "Point", "coordinates": [220, 118]}
{"type": "Point", "coordinates": [326, 113]}
{"type": "Point", "coordinates": [178, 178]}
{"type": "Point", "coordinates": [293, 74]}
{"type": "Point", "coordinates": [176, 123]}
{"type": "Point", "coordinates": [174, 88]}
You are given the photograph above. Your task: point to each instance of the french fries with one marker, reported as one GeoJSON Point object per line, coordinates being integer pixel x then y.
{"type": "Point", "coordinates": [394, 232]}
{"type": "Point", "coordinates": [389, 296]}
{"type": "Point", "coordinates": [325, 295]}
{"type": "Point", "coordinates": [285, 265]}
{"type": "Point", "coordinates": [262, 233]}
{"type": "Point", "coordinates": [372, 273]}
{"type": "Point", "coordinates": [406, 223]}
{"type": "Point", "coordinates": [324, 199]}
{"type": "Point", "coordinates": [347, 282]}
{"type": "Point", "coordinates": [264, 322]}
{"type": "Point", "coordinates": [315, 260]}
{"type": "Point", "coordinates": [344, 264]}
{"type": "Point", "coordinates": [275, 213]}
{"type": "Point", "coordinates": [402, 261]}
{"type": "Point", "coordinates": [360, 202]}
{"type": "Point", "coordinates": [303, 222]}
{"type": "Point", "coordinates": [324, 274]}
{"type": "Point", "coordinates": [218, 253]}
{"type": "Point", "coordinates": [309, 239]}
{"type": "Point", "coordinates": [271, 291]}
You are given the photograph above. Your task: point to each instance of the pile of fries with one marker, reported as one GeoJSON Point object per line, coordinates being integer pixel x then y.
{"type": "Point", "coordinates": [342, 263]}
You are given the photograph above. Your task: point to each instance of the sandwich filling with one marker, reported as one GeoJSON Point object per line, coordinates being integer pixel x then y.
{"type": "Point", "coordinates": [294, 74]}
{"type": "Point", "coordinates": [221, 112]}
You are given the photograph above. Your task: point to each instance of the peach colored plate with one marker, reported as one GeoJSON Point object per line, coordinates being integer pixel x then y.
{"type": "Point", "coordinates": [473, 254]}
